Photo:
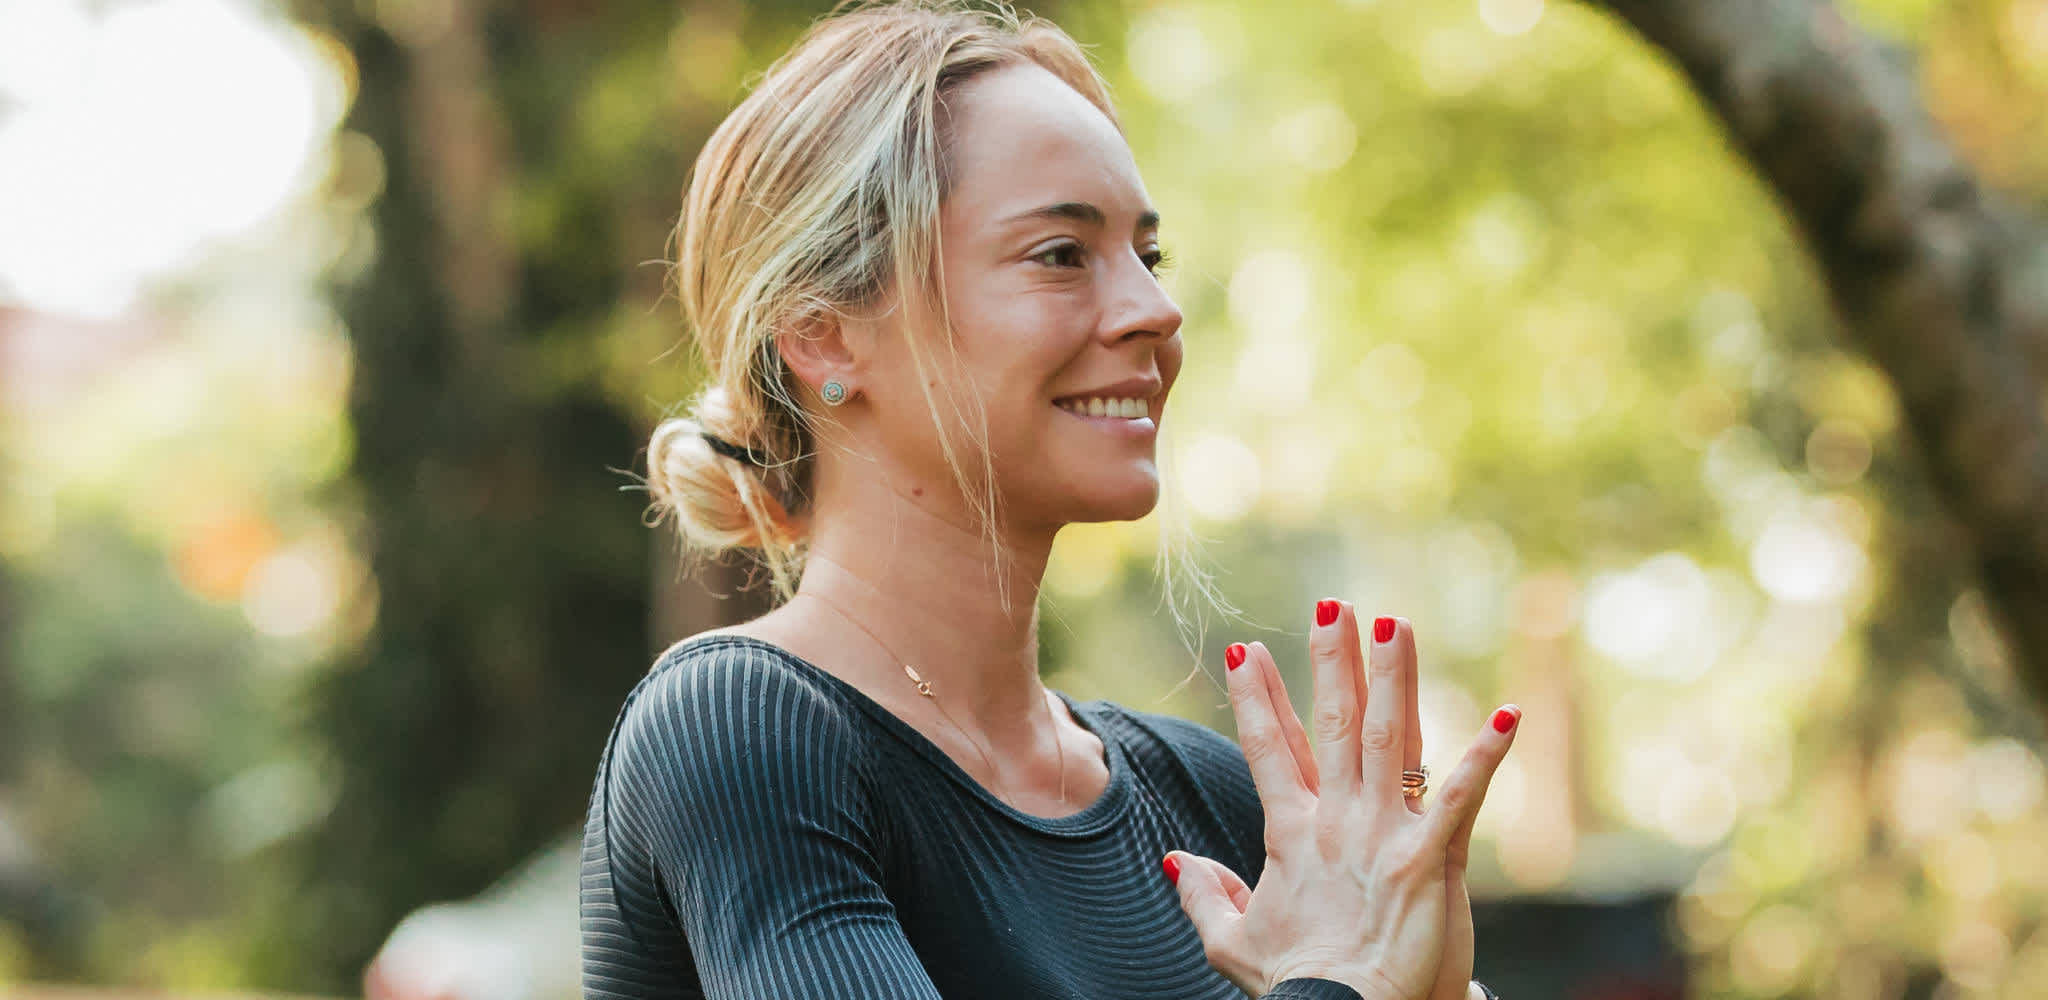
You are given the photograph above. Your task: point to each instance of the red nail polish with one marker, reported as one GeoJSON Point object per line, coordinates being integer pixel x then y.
{"type": "Point", "coordinates": [1172, 869]}
{"type": "Point", "coordinates": [1383, 629]}
{"type": "Point", "coordinates": [1326, 613]}
{"type": "Point", "coordinates": [1234, 655]}
{"type": "Point", "coordinates": [1503, 720]}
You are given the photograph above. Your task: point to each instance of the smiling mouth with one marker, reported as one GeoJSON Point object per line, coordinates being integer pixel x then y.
{"type": "Point", "coordinates": [1100, 406]}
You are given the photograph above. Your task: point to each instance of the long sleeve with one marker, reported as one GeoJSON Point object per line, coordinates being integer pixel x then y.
{"type": "Point", "coordinates": [1310, 989]}
{"type": "Point", "coordinates": [744, 788]}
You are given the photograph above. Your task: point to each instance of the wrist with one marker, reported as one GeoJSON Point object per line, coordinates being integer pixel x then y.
{"type": "Point", "coordinates": [1367, 983]}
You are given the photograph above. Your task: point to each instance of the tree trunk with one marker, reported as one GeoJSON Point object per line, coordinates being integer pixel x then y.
{"type": "Point", "coordinates": [520, 595]}
{"type": "Point", "coordinates": [511, 571]}
{"type": "Point", "coordinates": [1943, 287]}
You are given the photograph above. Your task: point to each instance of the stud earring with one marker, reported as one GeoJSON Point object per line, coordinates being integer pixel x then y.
{"type": "Point", "coordinates": [834, 393]}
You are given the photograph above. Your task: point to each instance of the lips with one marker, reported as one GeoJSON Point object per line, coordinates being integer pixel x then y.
{"type": "Point", "coordinates": [1145, 387]}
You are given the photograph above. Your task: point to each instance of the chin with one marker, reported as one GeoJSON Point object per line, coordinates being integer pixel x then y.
{"type": "Point", "coordinates": [1116, 502]}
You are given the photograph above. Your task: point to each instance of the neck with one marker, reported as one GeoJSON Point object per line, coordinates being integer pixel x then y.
{"type": "Point", "coordinates": [920, 576]}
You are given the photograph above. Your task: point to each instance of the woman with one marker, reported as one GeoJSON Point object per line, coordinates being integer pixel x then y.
{"type": "Point", "coordinates": [918, 261]}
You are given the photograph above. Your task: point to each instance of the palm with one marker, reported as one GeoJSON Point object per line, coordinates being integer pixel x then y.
{"type": "Point", "coordinates": [1454, 972]}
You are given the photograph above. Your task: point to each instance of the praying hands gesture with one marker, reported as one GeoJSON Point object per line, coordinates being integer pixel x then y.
{"type": "Point", "coordinates": [1362, 884]}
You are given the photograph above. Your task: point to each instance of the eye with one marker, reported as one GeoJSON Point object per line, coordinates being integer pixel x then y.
{"type": "Point", "coordinates": [1060, 255]}
{"type": "Point", "coordinates": [1156, 259]}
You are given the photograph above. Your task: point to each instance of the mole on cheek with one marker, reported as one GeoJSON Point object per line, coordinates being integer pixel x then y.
{"type": "Point", "coordinates": [917, 491]}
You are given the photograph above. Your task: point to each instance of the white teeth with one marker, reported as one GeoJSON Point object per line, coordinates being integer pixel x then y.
{"type": "Point", "coordinates": [1129, 409]}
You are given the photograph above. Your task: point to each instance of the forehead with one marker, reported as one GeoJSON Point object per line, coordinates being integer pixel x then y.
{"type": "Point", "coordinates": [1020, 138]}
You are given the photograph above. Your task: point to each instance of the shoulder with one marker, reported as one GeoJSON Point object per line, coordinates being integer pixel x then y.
{"type": "Point", "coordinates": [729, 755]}
{"type": "Point", "coordinates": [730, 701]}
{"type": "Point", "coordinates": [724, 667]}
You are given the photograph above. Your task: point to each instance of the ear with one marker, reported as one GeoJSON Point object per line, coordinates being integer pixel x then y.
{"type": "Point", "coordinates": [820, 346]}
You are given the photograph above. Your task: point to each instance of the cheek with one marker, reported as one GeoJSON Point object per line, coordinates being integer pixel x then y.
{"type": "Point", "coordinates": [1037, 350]}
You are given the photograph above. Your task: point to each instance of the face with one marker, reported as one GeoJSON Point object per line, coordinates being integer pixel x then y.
{"type": "Point", "coordinates": [1048, 244]}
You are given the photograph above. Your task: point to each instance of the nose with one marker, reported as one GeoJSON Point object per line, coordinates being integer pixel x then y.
{"type": "Point", "coordinates": [1138, 306]}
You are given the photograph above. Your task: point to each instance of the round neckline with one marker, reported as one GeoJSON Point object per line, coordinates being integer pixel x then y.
{"type": "Point", "coordinates": [1093, 818]}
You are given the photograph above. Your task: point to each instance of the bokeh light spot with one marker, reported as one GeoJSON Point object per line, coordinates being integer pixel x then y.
{"type": "Point", "coordinates": [1220, 476]}
{"type": "Point", "coordinates": [1802, 557]}
{"type": "Point", "coordinates": [227, 139]}
{"type": "Point", "coordinates": [1171, 54]}
{"type": "Point", "coordinates": [1392, 377]}
{"type": "Point", "coordinates": [1511, 17]}
{"type": "Point", "coordinates": [1319, 137]}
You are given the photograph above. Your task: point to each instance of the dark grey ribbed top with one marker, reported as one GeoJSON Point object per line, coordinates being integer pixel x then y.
{"type": "Point", "coordinates": [762, 829]}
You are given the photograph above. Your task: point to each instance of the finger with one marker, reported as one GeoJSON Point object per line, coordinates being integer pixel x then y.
{"type": "Point", "coordinates": [1290, 721]}
{"type": "Point", "coordinates": [1239, 893]}
{"type": "Point", "coordinates": [1203, 895]}
{"type": "Point", "coordinates": [1382, 735]}
{"type": "Point", "coordinates": [1460, 847]}
{"type": "Point", "coordinates": [1411, 746]}
{"type": "Point", "coordinates": [1274, 771]}
{"type": "Point", "coordinates": [1340, 693]}
{"type": "Point", "coordinates": [1458, 804]}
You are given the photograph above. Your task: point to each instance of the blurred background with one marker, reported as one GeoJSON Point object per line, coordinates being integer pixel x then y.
{"type": "Point", "coordinates": [330, 333]}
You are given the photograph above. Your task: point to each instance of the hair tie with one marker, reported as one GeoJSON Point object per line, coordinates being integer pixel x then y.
{"type": "Point", "coordinates": [735, 452]}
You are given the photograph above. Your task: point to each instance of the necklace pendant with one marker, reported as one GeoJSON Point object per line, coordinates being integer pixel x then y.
{"type": "Point", "coordinates": [924, 687]}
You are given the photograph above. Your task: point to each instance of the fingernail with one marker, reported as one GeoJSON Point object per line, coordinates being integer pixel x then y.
{"type": "Point", "coordinates": [1233, 655]}
{"type": "Point", "coordinates": [1504, 720]}
{"type": "Point", "coordinates": [1172, 869]}
{"type": "Point", "coordinates": [1383, 629]}
{"type": "Point", "coordinates": [1326, 613]}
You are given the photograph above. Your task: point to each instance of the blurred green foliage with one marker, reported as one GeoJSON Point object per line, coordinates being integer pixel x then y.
{"type": "Point", "coordinates": [1486, 327]}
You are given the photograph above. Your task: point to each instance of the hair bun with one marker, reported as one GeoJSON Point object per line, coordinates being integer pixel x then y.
{"type": "Point", "coordinates": [716, 503]}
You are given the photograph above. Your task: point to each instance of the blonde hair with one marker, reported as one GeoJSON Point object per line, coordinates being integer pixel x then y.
{"type": "Point", "coordinates": [820, 194]}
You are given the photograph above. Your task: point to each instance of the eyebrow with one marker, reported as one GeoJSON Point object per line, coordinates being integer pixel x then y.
{"type": "Point", "coordinates": [1081, 211]}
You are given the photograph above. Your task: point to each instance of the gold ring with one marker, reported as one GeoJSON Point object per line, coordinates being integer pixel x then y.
{"type": "Point", "coordinates": [1414, 791]}
{"type": "Point", "coordinates": [1415, 778]}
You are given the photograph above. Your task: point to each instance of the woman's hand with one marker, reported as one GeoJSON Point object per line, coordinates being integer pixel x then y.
{"type": "Point", "coordinates": [1361, 885]}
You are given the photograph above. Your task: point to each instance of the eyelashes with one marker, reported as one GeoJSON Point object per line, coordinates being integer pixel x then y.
{"type": "Point", "coordinates": [1069, 254]}
{"type": "Point", "coordinates": [1064, 254]}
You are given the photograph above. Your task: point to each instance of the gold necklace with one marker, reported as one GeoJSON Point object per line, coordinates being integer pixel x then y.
{"type": "Point", "coordinates": [924, 687]}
